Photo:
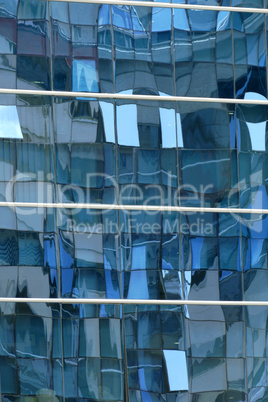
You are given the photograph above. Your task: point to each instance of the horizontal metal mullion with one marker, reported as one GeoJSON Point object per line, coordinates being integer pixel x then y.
{"type": "Point", "coordinates": [157, 208]}
{"type": "Point", "coordinates": [133, 301]}
{"type": "Point", "coordinates": [170, 5]}
{"type": "Point", "coordinates": [131, 97]}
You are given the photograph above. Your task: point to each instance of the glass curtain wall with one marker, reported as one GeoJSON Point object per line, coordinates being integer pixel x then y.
{"type": "Point", "coordinates": [75, 149]}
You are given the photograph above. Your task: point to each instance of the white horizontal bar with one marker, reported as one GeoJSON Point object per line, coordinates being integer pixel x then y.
{"type": "Point", "coordinates": [97, 95]}
{"type": "Point", "coordinates": [133, 301]}
{"type": "Point", "coordinates": [121, 207]}
{"type": "Point", "coordinates": [169, 5]}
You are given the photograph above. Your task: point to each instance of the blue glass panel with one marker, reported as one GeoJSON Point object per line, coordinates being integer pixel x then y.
{"type": "Point", "coordinates": [89, 283]}
{"type": "Point", "coordinates": [112, 379]}
{"type": "Point", "coordinates": [8, 247]}
{"type": "Point", "coordinates": [133, 152]}
{"type": "Point", "coordinates": [62, 76]}
{"type": "Point", "coordinates": [33, 38]}
{"type": "Point", "coordinates": [89, 378]}
{"type": "Point", "coordinates": [207, 339]}
{"type": "Point", "coordinates": [176, 362]}
{"type": "Point", "coordinates": [57, 377]}
{"type": "Point", "coordinates": [132, 358]}
{"type": "Point", "coordinates": [148, 282]}
{"type": "Point", "coordinates": [32, 9]}
{"type": "Point", "coordinates": [172, 330]}
{"type": "Point", "coordinates": [49, 252]}
{"type": "Point", "coordinates": [204, 253]}
{"type": "Point", "coordinates": [34, 374]}
{"type": "Point", "coordinates": [33, 70]}
{"type": "Point", "coordinates": [89, 343]}
{"type": "Point", "coordinates": [151, 375]}
{"type": "Point", "coordinates": [7, 343]}
{"type": "Point", "coordinates": [8, 370]}
{"type": "Point", "coordinates": [110, 338]}
{"type": "Point", "coordinates": [66, 250]}
{"type": "Point", "coordinates": [211, 368]}
{"type": "Point", "coordinates": [70, 378]}
{"type": "Point", "coordinates": [112, 284]}
{"type": "Point", "coordinates": [70, 330]}
{"type": "Point", "coordinates": [149, 330]}
{"type": "Point", "coordinates": [33, 336]}
{"type": "Point", "coordinates": [171, 256]}
{"type": "Point", "coordinates": [229, 253]}
{"type": "Point", "coordinates": [30, 249]}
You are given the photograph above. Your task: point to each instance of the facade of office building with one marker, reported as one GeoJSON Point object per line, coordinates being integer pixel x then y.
{"type": "Point", "coordinates": [133, 151]}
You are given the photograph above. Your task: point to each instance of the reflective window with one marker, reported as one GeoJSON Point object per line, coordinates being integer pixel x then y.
{"type": "Point", "coordinates": [111, 152]}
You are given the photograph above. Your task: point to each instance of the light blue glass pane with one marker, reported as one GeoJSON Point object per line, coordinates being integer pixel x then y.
{"type": "Point", "coordinates": [223, 21]}
{"type": "Point", "coordinates": [202, 20]}
{"type": "Point", "coordinates": [259, 253]}
{"type": "Point", "coordinates": [122, 17]}
{"type": "Point", "coordinates": [104, 15]}
{"type": "Point", "coordinates": [176, 369]}
{"type": "Point", "coordinates": [85, 76]}
{"type": "Point", "coordinates": [161, 19]}
{"type": "Point", "coordinates": [112, 284]}
{"type": "Point", "coordinates": [180, 20]}
{"type": "Point", "coordinates": [137, 24]}
{"type": "Point", "coordinates": [127, 117]}
{"type": "Point", "coordinates": [108, 121]}
{"type": "Point", "coordinates": [10, 125]}
{"type": "Point", "coordinates": [141, 291]}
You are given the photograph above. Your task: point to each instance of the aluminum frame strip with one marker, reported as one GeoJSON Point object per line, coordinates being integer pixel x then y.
{"type": "Point", "coordinates": [133, 301]}
{"type": "Point", "coordinates": [170, 5]}
{"type": "Point", "coordinates": [121, 207]}
{"type": "Point", "coordinates": [131, 97]}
